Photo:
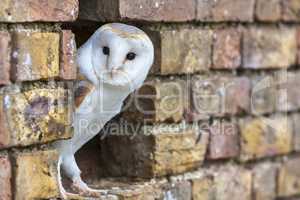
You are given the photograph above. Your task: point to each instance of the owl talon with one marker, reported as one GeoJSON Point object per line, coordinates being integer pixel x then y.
{"type": "Point", "coordinates": [66, 195]}
{"type": "Point", "coordinates": [83, 189]}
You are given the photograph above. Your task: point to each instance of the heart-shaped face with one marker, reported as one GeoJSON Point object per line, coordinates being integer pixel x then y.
{"type": "Point", "coordinates": [120, 55]}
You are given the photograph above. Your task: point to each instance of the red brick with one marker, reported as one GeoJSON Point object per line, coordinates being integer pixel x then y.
{"type": "Point", "coordinates": [291, 10]}
{"type": "Point", "coordinates": [237, 95]}
{"type": "Point", "coordinates": [218, 96]}
{"type": "Point", "coordinates": [205, 98]}
{"type": "Point", "coordinates": [5, 178]}
{"type": "Point", "coordinates": [225, 10]}
{"type": "Point", "coordinates": [269, 47]}
{"type": "Point", "coordinates": [268, 10]}
{"type": "Point", "coordinates": [159, 10]}
{"type": "Point", "coordinates": [224, 140]}
{"type": "Point", "coordinates": [5, 51]}
{"type": "Point", "coordinates": [32, 10]}
{"type": "Point", "coordinates": [68, 66]}
{"type": "Point", "coordinates": [226, 49]}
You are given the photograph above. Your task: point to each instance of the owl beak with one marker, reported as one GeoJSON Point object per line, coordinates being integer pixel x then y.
{"type": "Point", "coordinates": [113, 71]}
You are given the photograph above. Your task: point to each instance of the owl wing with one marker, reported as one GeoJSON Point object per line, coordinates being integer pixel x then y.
{"type": "Point", "coordinates": [83, 87]}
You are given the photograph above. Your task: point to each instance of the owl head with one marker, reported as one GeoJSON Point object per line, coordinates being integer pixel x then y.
{"type": "Point", "coordinates": [117, 54]}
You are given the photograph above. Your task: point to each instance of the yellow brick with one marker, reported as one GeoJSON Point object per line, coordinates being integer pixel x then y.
{"type": "Point", "coordinates": [262, 137]}
{"type": "Point", "coordinates": [203, 189]}
{"type": "Point", "coordinates": [36, 175]}
{"type": "Point", "coordinates": [39, 113]}
{"type": "Point", "coordinates": [157, 101]}
{"type": "Point", "coordinates": [35, 55]}
{"type": "Point", "coordinates": [185, 51]}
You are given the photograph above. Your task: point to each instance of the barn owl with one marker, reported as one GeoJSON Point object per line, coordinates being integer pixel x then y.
{"type": "Point", "coordinates": [112, 63]}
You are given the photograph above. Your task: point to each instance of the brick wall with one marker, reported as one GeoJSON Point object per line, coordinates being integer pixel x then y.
{"type": "Point", "coordinates": [218, 117]}
{"type": "Point", "coordinates": [37, 67]}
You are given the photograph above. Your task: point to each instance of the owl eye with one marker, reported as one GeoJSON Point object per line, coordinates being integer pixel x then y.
{"type": "Point", "coordinates": [130, 56]}
{"type": "Point", "coordinates": [105, 50]}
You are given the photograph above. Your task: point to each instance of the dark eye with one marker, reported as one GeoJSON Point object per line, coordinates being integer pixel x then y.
{"type": "Point", "coordinates": [130, 56]}
{"type": "Point", "coordinates": [105, 50]}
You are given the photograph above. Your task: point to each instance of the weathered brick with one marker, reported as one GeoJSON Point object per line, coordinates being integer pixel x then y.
{"type": "Point", "coordinates": [160, 10]}
{"type": "Point", "coordinates": [268, 10]}
{"type": "Point", "coordinates": [289, 178]}
{"type": "Point", "coordinates": [224, 140]}
{"type": "Point", "coordinates": [68, 66]}
{"type": "Point", "coordinates": [218, 95]}
{"type": "Point", "coordinates": [226, 49]}
{"type": "Point", "coordinates": [5, 50]}
{"type": "Point", "coordinates": [225, 10]}
{"type": "Point", "coordinates": [237, 95]}
{"type": "Point", "coordinates": [203, 189]}
{"type": "Point", "coordinates": [298, 45]}
{"type": "Point", "coordinates": [269, 47]}
{"type": "Point", "coordinates": [264, 137]}
{"type": "Point", "coordinates": [35, 55]}
{"type": "Point", "coordinates": [224, 183]}
{"type": "Point", "coordinates": [288, 94]}
{"type": "Point", "coordinates": [154, 150]}
{"type": "Point", "coordinates": [263, 94]}
{"type": "Point", "coordinates": [233, 183]}
{"type": "Point", "coordinates": [291, 10]}
{"type": "Point", "coordinates": [157, 101]}
{"type": "Point", "coordinates": [264, 181]}
{"type": "Point", "coordinates": [5, 178]}
{"type": "Point", "coordinates": [179, 191]}
{"type": "Point", "coordinates": [36, 113]}
{"type": "Point", "coordinates": [36, 175]}
{"type": "Point", "coordinates": [129, 190]}
{"type": "Point", "coordinates": [4, 131]}
{"type": "Point", "coordinates": [206, 99]}
{"type": "Point", "coordinates": [296, 131]}
{"type": "Point", "coordinates": [139, 190]}
{"type": "Point", "coordinates": [31, 10]}
{"type": "Point", "coordinates": [182, 51]}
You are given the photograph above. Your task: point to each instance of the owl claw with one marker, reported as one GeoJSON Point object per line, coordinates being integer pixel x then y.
{"type": "Point", "coordinates": [66, 195]}
{"type": "Point", "coordinates": [83, 189]}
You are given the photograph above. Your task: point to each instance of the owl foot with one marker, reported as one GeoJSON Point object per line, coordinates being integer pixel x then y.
{"type": "Point", "coordinates": [63, 193]}
{"type": "Point", "coordinates": [83, 189]}
{"type": "Point", "coordinates": [66, 195]}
